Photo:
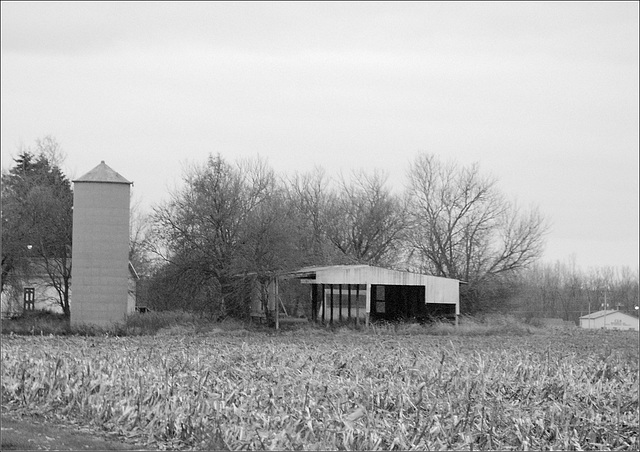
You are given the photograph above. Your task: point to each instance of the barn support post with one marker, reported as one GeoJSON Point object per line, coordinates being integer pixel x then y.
{"type": "Point", "coordinates": [357, 305]}
{"type": "Point", "coordinates": [425, 296]}
{"type": "Point", "coordinates": [324, 303]}
{"type": "Point", "coordinates": [331, 312]}
{"type": "Point", "coordinates": [314, 302]}
{"type": "Point", "coordinates": [340, 302]}
{"type": "Point", "coordinates": [368, 305]}
{"type": "Point", "coordinates": [349, 302]}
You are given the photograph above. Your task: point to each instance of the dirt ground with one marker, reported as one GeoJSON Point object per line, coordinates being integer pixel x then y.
{"type": "Point", "coordinates": [25, 432]}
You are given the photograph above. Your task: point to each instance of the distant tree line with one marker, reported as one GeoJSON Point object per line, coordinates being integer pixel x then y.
{"type": "Point", "coordinates": [233, 219]}
{"type": "Point", "coordinates": [562, 290]}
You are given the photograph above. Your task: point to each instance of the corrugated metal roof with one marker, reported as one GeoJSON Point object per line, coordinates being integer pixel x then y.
{"type": "Point", "coordinates": [104, 174]}
{"type": "Point", "coordinates": [313, 270]}
{"type": "Point", "coordinates": [355, 274]}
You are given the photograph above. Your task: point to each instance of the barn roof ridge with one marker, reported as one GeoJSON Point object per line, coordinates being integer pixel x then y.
{"type": "Point", "coordinates": [602, 313]}
{"type": "Point", "coordinates": [308, 270]}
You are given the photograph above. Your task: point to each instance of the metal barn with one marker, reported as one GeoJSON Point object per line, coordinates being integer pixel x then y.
{"type": "Point", "coordinates": [610, 320]}
{"type": "Point", "coordinates": [345, 292]}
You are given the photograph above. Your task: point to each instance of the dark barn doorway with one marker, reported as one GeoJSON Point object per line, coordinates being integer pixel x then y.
{"type": "Point", "coordinates": [394, 303]}
{"type": "Point", "coordinates": [397, 302]}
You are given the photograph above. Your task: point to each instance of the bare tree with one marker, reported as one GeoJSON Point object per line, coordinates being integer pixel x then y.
{"type": "Point", "coordinates": [139, 228]}
{"type": "Point", "coordinates": [627, 290]}
{"type": "Point", "coordinates": [49, 148]}
{"type": "Point", "coordinates": [462, 227]}
{"type": "Point", "coordinates": [366, 221]}
{"type": "Point", "coordinates": [227, 220]}
{"type": "Point", "coordinates": [309, 195]}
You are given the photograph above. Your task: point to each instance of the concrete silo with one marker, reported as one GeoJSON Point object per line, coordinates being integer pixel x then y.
{"type": "Point", "coordinates": [100, 265]}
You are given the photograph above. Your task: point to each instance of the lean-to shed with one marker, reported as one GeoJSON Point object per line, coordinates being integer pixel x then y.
{"type": "Point", "coordinates": [343, 292]}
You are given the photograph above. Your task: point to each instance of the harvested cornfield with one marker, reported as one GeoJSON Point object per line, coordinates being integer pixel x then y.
{"type": "Point", "coordinates": [317, 390]}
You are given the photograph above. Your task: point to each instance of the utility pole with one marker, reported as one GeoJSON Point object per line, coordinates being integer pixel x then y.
{"type": "Point", "coordinates": [276, 296]}
{"type": "Point", "coordinates": [605, 308]}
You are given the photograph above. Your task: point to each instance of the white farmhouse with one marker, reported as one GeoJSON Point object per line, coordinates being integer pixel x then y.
{"type": "Point", "coordinates": [610, 320]}
{"type": "Point", "coordinates": [29, 288]}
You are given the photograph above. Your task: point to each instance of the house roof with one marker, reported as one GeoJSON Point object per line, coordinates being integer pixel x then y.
{"type": "Point", "coordinates": [598, 314]}
{"type": "Point", "coordinates": [103, 174]}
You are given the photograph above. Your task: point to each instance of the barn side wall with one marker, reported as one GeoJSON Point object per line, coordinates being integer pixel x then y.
{"type": "Point", "coordinates": [612, 321]}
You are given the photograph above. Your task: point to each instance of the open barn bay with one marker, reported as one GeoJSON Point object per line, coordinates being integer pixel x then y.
{"type": "Point", "coordinates": [313, 389]}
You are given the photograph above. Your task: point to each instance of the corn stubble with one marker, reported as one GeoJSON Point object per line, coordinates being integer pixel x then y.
{"type": "Point", "coordinates": [354, 391]}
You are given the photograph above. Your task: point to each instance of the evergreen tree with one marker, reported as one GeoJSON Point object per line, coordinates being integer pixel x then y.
{"type": "Point", "coordinates": [37, 220]}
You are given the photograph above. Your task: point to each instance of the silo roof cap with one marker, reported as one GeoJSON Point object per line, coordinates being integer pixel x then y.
{"type": "Point", "coordinates": [103, 173]}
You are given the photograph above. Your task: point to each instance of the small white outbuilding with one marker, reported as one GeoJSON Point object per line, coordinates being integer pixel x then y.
{"type": "Point", "coordinates": [610, 320]}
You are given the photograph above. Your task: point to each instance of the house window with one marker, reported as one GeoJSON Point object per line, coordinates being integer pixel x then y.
{"type": "Point", "coordinates": [29, 298]}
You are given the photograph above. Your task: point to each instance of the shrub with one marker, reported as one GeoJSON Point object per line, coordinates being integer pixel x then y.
{"type": "Point", "coordinates": [37, 322]}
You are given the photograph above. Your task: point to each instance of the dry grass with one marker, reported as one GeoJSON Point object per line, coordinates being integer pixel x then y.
{"type": "Point", "coordinates": [317, 390]}
{"type": "Point", "coordinates": [36, 322]}
{"type": "Point", "coordinates": [488, 325]}
{"type": "Point", "coordinates": [43, 323]}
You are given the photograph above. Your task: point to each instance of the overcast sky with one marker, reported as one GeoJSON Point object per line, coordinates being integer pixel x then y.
{"type": "Point", "coordinates": [544, 96]}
